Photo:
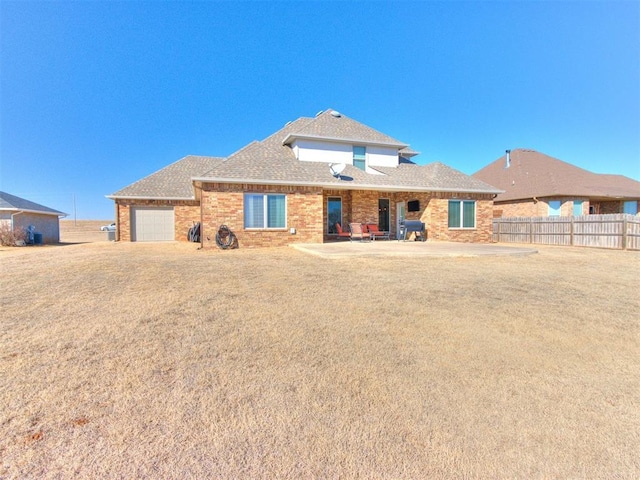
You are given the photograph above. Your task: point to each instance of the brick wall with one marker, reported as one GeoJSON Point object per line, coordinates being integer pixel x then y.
{"type": "Point", "coordinates": [362, 207]}
{"type": "Point", "coordinates": [438, 219]}
{"type": "Point", "coordinates": [539, 207]}
{"type": "Point", "coordinates": [346, 197]}
{"type": "Point", "coordinates": [47, 225]}
{"type": "Point", "coordinates": [223, 204]}
{"type": "Point", "coordinates": [185, 213]}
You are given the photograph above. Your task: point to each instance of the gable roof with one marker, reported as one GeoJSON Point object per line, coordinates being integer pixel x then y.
{"type": "Point", "coordinates": [273, 162]}
{"type": "Point", "coordinates": [172, 182]}
{"type": "Point", "coordinates": [534, 174]}
{"type": "Point", "coordinates": [10, 202]}
{"type": "Point", "coordinates": [334, 126]}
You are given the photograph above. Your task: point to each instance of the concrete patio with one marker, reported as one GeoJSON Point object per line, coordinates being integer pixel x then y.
{"type": "Point", "coordinates": [410, 249]}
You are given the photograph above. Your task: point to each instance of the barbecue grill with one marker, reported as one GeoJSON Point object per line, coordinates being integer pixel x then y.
{"type": "Point", "coordinates": [416, 226]}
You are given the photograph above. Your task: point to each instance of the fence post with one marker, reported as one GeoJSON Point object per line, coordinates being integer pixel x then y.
{"type": "Point", "coordinates": [530, 229]}
{"type": "Point", "coordinates": [571, 232]}
{"type": "Point", "coordinates": [625, 226]}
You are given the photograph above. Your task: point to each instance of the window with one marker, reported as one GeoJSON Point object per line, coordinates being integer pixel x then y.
{"type": "Point", "coordinates": [334, 214]}
{"type": "Point", "coordinates": [630, 207]}
{"type": "Point", "coordinates": [265, 211]}
{"type": "Point", "coordinates": [360, 157]}
{"type": "Point", "coordinates": [577, 208]}
{"type": "Point", "coordinates": [554, 208]}
{"type": "Point", "coordinates": [462, 214]}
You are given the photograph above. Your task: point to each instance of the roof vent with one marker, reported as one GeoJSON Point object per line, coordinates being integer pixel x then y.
{"type": "Point", "coordinates": [508, 164]}
{"type": "Point", "coordinates": [319, 113]}
{"type": "Point", "coordinates": [335, 114]}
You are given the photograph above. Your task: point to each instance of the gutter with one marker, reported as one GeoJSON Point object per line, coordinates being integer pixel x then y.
{"type": "Point", "coordinates": [343, 186]}
{"type": "Point", "coordinates": [141, 197]}
{"type": "Point", "coordinates": [39, 212]}
{"type": "Point", "coordinates": [13, 226]}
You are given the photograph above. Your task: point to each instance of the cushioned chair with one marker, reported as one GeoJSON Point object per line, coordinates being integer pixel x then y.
{"type": "Point", "coordinates": [342, 233]}
{"type": "Point", "coordinates": [358, 233]}
{"type": "Point", "coordinates": [375, 232]}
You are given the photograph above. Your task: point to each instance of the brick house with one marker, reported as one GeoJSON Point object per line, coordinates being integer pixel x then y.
{"type": "Point", "coordinates": [20, 213]}
{"type": "Point", "coordinates": [285, 190]}
{"type": "Point", "coordinates": [537, 185]}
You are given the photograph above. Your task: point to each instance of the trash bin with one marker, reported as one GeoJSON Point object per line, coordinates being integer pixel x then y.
{"type": "Point", "coordinates": [111, 235]}
{"type": "Point", "coordinates": [37, 238]}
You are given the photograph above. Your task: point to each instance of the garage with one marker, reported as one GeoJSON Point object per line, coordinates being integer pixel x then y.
{"type": "Point", "coordinates": [152, 224]}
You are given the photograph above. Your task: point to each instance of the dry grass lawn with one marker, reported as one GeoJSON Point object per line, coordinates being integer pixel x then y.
{"type": "Point", "coordinates": [127, 360]}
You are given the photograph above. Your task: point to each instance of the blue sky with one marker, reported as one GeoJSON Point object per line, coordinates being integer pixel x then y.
{"type": "Point", "coordinates": [96, 95]}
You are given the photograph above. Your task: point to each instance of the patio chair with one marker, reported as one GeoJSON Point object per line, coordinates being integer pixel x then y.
{"type": "Point", "coordinates": [342, 233]}
{"type": "Point", "coordinates": [375, 232]}
{"type": "Point", "coordinates": [357, 232]}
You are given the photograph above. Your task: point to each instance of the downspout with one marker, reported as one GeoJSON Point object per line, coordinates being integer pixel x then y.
{"type": "Point", "coordinates": [12, 215]}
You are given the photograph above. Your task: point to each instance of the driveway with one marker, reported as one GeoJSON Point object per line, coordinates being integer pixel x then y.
{"type": "Point", "coordinates": [409, 249]}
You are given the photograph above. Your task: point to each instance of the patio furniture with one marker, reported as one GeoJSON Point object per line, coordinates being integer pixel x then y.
{"type": "Point", "coordinates": [342, 233]}
{"type": "Point", "coordinates": [358, 233]}
{"type": "Point", "coordinates": [415, 226]}
{"type": "Point", "coordinates": [375, 232]}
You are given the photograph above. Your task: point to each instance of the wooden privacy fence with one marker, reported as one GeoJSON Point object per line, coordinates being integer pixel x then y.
{"type": "Point", "coordinates": [619, 230]}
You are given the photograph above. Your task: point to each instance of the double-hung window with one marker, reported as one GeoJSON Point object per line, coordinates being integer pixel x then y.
{"type": "Point", "coordinates": [462, 214]}
{"type": "Point", "coordinates": [360, 157]}
{"type": "Point", "coordinates": [265, 210]}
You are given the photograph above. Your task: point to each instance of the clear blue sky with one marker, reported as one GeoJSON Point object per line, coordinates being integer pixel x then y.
{"type": "Point", "coordinates": [96, 95]}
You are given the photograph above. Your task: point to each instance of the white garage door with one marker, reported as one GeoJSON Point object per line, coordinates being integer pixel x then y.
{"type": "Point", "coordinates": [152, 224]}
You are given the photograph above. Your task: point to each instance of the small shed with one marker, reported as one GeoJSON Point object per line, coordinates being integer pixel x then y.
{"type": "Point", "coordinates": [16, 212]}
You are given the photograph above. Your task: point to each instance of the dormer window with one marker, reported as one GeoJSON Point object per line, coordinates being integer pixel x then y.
{"type": "Point", "coordinates": [360, 157]}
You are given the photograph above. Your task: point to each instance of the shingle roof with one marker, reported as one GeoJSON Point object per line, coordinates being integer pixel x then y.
{"type": "Point", "coordinates": [334, 125]}
{"type": "Point", "coordinates": [534, 174]}
{"type": "Point", "coordinates": [11, 202]}
{"type": "Point", "coordinates": [171, 182]}
{"type": "Point", "coordinates": [272, 162]}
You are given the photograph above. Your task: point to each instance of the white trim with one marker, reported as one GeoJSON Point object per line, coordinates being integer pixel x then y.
{"type": "Point", "coordinates": [265, 210]}
{"type": "Point", "coordinates": [293, 136]}
{"type": "Point", "coordinates": [475, 213]}
{"type": "Point", "coordinates": [40, 212]}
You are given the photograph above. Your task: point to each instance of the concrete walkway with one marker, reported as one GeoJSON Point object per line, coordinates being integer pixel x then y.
{"type": "Point", "coordinates": [381, 248]}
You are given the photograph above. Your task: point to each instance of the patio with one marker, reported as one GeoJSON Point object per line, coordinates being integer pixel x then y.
{"type": "Point", "coordinates": [343, 249]}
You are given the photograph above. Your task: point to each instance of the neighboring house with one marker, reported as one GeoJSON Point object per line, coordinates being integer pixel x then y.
{"type": "Point", "coordinates": [537, 185]}
{"type": "Point", "coordinates": [285, 189]}
{"type": "Point", "coordinates": [16, 212]}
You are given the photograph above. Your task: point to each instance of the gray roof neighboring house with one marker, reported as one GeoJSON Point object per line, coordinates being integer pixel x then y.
{"type": "Point", "coordinates": [172, 182]}
{"type": "Point", "coordinates": [12, 203]}
{"type": "Point", "coordinates": [532, 174]}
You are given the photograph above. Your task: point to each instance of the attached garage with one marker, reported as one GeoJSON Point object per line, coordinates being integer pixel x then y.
{"type": "Point", "coordinates": [152, 224]}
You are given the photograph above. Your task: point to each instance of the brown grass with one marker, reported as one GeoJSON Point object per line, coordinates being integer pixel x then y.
{"type": "Point", "coordinates": [83, 231]}
{"type": "Point", "coordinates": [158, 360]}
